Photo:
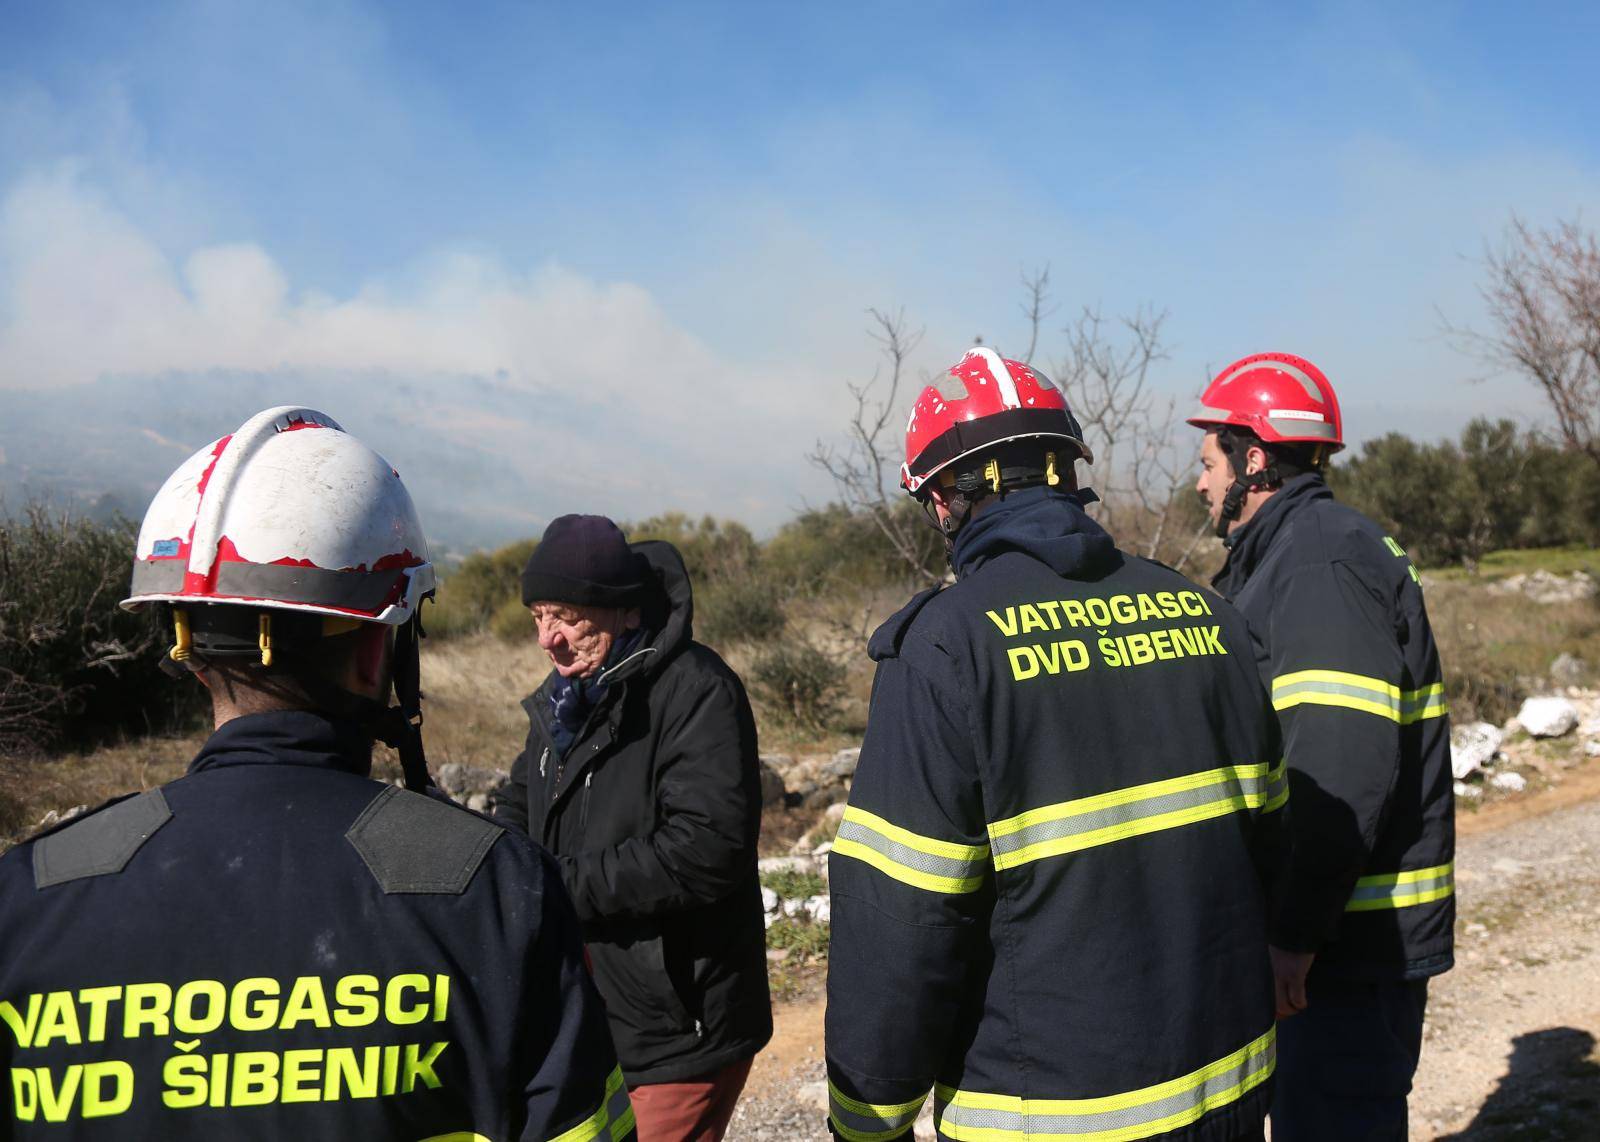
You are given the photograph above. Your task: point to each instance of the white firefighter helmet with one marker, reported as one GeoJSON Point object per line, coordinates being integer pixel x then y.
{"type": "Point", "coordinates": [289, 513]}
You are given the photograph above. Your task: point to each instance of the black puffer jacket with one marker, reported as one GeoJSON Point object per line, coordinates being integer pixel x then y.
{"type": "Point", "coordinates": [653, 814]}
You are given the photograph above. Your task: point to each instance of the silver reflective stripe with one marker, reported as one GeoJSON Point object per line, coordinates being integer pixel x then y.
{"type": "Point", "coordinates": [1359, 692]}
{"type": "Point", "coordinates": [922, 862]}
{"type": "Point", "coordinates": [1428, 702]}
{"type": "Point", "coordinates": [1386, 701]}
{"type": "Point", "coordinates": [1122, 813]}
{"type": "Point", "coordinates": [858, 1121]}
{"type": "Point", "coordinates": [1277, 788]}
{"type": "Point", "coordinates": [317, 586]}
{"type": "Point", "coordinates": [1302, 427]}
{"type": "Point", "coordinates": [1403, 889]}
{"type": "Point", "coordinates": [1283, 367]}
{"type": "Point", "coordinates": [968, 1115]}
{"type": "Point", "coordinates": [619, 1108]}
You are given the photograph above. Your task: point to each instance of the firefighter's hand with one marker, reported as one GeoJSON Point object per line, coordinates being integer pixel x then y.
{"type": "Point", "coordinates": [1289, 979]}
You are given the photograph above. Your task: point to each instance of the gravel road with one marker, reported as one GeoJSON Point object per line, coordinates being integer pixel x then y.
{"type": "Point", "coordinates": [1510, 1050]}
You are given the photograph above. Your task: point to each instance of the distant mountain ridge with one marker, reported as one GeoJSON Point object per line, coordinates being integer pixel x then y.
{"type": "Point", "coordinates": [486, 462]}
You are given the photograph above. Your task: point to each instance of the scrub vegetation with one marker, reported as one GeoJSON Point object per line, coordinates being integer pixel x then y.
{"type": "Point", "coordinates": [85, 713]}
{"type": "Point", "coordinates": [74, 668]}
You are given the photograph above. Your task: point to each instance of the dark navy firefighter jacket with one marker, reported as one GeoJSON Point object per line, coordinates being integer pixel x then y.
{"type": "Point", "coordinates": [1343, 641]}
{"type": "Point", "coordinates": [1050, 883]}
{"type": "Point", "coordinates": [276, 946]}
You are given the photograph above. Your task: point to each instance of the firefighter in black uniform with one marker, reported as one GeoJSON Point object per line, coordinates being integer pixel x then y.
{"type": "Point", "coordinates": [1342, 638]}
{"type": "Point", "coordinates": [1049, 885]}
{"type": "Point", "coordinates": [276, 945]}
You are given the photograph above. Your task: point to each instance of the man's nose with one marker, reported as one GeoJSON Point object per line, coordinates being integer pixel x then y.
{"type": "Point", "coordinates": [549, 637]}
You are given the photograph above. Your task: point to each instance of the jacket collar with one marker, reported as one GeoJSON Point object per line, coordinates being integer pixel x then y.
{"type": "Point", "coordinates": [1249, 545]}
{"type": "Point", "coordinates": [1049, 525]}
{"type": "Point", "coordinates": [287, 737]}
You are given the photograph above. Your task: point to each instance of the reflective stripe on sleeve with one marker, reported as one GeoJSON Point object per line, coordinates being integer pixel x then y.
{"type": "Point", "coordinates": [1105, 817]}
{"type": "Point", "coordinates": [858, 1121]}
{"type": "Point", "coordinates": [1358, 692]}
{"type": "Point", "coordinates": [968, 1116]}
{"type": "Point", "coordinates": [1403, 889]}
{"type": "Point", "coordinates": [613, 1120]}
{"type": "Point", "coordinates": [922, 862]}
{"type": "Point", "coordinates": [1428, 702]}
{"type": "Point", "coordinates": [1277, 787]}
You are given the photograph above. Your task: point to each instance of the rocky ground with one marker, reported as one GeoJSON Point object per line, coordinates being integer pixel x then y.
{"type": "Point", "coordinates": [1511, 1041]}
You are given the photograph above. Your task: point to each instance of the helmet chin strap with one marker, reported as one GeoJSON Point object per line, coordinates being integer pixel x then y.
{"type": "Point", "coordinates": [1233, 499]}
{"type": "Point", "coordinates": [399, 726]}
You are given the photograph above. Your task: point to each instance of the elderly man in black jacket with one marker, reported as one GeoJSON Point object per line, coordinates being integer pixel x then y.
{"type": "Point", "coordinates": [641, 775]}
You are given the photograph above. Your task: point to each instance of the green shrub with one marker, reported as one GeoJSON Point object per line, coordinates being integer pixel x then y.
{"type": "Point", "coordinates": [735, 598]}
{"type": "Point", "coordinates": [793, 885]}
{"type": "Point", "coordinates": [798, 685]}
{"type": "Point", "coordinates": [511, 622]}
{"type": "Point", "coordinates": [745, 608]}
{"type": "Point", "coordinates": [804, 938]}
{"type": "Point", "coordinates": [76, 669]}
{"type": "Point", "coordinates": [470, 597]}
{"type": "Point", "coordinates": [825, 549]}
{"type": "Point", "coordinates": [1455, 502]}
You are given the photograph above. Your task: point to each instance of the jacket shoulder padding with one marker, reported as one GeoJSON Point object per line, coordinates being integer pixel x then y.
{"type": "Point", "coordinates": [101, 842]}
{"type": "Point", "coordinates": [417, 844]}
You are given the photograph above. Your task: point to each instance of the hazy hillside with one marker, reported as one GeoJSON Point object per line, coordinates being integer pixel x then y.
{"type": "Point", "coordinates": [486, 461]}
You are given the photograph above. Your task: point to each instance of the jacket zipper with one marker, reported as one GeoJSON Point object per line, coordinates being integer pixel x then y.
{"type": "Point", "coordinates": [583, 813]}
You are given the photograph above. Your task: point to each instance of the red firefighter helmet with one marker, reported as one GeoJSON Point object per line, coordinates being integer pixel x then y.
{"type": "Point", "coordinates": [1281, 398]}
{"type": "Point", "coordinates": [981, 401]}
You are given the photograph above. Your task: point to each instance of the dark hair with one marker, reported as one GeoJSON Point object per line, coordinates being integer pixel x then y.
{"type": "Point", "coordinates": [1289, 459]}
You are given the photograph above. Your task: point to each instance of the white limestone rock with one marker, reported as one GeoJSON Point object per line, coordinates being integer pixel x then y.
{"type": "Point", "coordinates": [1548, 717]}
{"type": "Point", "coordinates": [1472, 747]}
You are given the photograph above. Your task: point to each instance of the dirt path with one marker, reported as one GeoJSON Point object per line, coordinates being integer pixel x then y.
{"type": "Point", "coordinates": [1510, 1049]}
{"type": "Point", "coordinates": [1511, 1041]}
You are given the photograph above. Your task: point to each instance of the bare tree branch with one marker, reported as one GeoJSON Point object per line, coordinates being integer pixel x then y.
{"type": "Point", "coordinates": [1543, 295]}
{"type": "Point", "coordinates": [864, 471]}
{"type": "Point", "coordinates": [1036, 307]}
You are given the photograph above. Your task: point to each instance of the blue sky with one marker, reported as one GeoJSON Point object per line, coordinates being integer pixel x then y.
{"type": "Point", "coordinates": [684, 210]}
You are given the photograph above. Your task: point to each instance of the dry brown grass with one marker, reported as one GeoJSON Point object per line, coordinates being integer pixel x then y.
{"type": "Point", "coordinates": [30, 788]}
{"type": "Point", "coordinates": [1496, 649]}
{"type": "Point", "coordinates": [473, 689]}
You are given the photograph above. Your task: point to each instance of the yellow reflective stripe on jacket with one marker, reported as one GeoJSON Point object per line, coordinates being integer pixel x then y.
{"type": "Point", "coordinates": [858, 1121]}
{"type": "Point", "coordinates": [1105, 817]}
{"type": "Point", "coordinates": [922, 862]}
{"type": "Point", "coordinates": [968, 1116]}
{"type": "Point", "coordinates": [1403, 889]}
{"type": "Point", "coordinates": [613, 1120]}
{"type": "Point", "coordinates": [460, 1136]}
{"type": "Point", "coordinates": [1277, 787]}
{"type": "Point", "coordinates": [1358, 692]}
{"type": "Point", "coordinates": [1428, 702]}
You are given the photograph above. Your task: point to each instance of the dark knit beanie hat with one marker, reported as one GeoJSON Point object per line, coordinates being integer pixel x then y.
{"type": "Point", "coordinates": [583, 560]}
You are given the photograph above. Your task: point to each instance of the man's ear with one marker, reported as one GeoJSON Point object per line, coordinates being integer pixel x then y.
{"type": "Point", "coordinates": [1256, 460]}
{"type": "Point", "coordinates": [631, 619]}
